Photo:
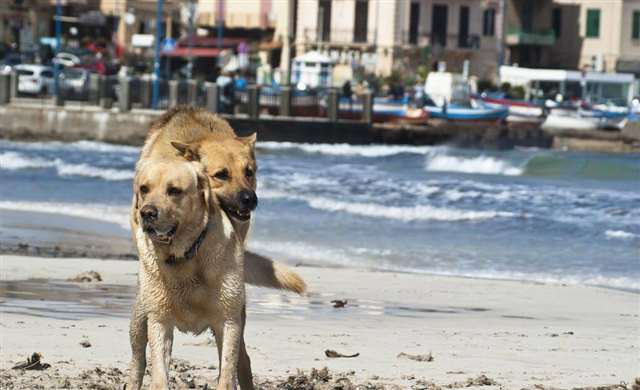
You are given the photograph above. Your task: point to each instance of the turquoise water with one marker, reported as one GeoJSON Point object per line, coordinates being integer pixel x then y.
{"type": "Point", "coordinates": [525, 214]}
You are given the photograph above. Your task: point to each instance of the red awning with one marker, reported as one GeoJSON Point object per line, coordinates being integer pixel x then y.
{"type": "Point", "coordinates": [195, 52]}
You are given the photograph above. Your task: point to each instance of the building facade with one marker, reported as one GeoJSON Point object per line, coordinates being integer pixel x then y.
{"type": "Point", "coordinates": [387, 35]}
{"type": "Point", "coordinates": [602, 35]}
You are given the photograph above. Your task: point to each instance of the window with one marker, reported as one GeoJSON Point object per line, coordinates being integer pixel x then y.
{"type": "Point", "coordinates": [362, 13]}
{"type": "Point", "coordinates": [593, 23]}
{"type": "Point", "coordinates": [556, 21]}
{"type": "Point", "coordinates": [489, 22]}
{"type": "Point", "coordinates": [439, 25]}
{"type": "Point", "coordinates": [414, 20]}
{"type": "Point", "coordinates": [324, 20]}
{"type": "Point", "coordinates": [463, 27]}
{"type": "Point", "coordinates": [635, 25]}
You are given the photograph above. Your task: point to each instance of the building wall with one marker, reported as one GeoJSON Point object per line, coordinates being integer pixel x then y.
{"type": "Point", "coordinates": [629, 48]}
{"type": "Point", "coordinates": [608, 45]}
{"type": "Point", "coordinates": [388, 32]}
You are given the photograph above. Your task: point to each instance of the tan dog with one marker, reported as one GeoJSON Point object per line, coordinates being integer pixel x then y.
{"type": "Point", "coordinates": [191, 270]}
{"type": "Point", "coordinates": [230, 164]}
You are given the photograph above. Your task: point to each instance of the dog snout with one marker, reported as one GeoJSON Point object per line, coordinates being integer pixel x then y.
{"type": "Point", "coordinates": [149, 213]}
{"type": "Point", "coordinates": [248, 199]}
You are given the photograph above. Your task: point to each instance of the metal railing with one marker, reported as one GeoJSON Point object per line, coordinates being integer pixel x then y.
{"type": "Point", "coordinates": [127, 93]}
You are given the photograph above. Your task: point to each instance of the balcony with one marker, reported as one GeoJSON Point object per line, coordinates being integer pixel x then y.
{"type": "Point", "coordinates": [516, 36]}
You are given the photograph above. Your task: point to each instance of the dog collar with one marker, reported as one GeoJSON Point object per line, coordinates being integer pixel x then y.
{"type": "Point", "coordinates": [188, 255]}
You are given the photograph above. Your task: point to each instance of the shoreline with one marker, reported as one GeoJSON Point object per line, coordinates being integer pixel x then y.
{"type": "Point", "coordinates": [34, 233]}
{"type": "Point", "coordinates": [516, 334]}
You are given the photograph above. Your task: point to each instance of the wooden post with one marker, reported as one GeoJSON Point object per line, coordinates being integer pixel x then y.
{"type": "Point", "coordinates": [14, 84]}
{"type": "Point", "coordinates": [253, 95]}
{"type": "Point", "coordinates": [192, 92]}
{"type": "Point", "coordinates": [5, 88]}
{"type": "Point", "coordinates": [367, 106]}
{"type": "Point", "coordinates": [285, 100]}
{"type": "Point", "coordinates": [332, 105]}
{"type": "Point", "coordinates": [94, 89]}
{"type": "Point", "coordinates": [145, 91]}
{"type": "Point", "coordinates": [173, 93]}
{"type": "Point", "coordinates": [213, 97]}
{"type": "Point", "coordinates": [124, 99]}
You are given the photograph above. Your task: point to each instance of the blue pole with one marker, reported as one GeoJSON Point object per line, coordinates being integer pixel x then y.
{"type": "Point", "coordinates": [156, 63]}
{"type": "Point", "coordinates": [56, 66]}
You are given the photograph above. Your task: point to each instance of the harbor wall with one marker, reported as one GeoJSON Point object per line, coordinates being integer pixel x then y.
{"type": "Point", "coordinates": [34, 121]}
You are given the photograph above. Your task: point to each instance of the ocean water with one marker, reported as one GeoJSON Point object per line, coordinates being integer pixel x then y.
{"type": "Point", "coordinates": [525, 214]}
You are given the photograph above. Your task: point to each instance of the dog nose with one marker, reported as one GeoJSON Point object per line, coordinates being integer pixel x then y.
{"type": "Point", "coordinates": [149, 212]}
{"type": "Point", "coordinates": [248, 199]}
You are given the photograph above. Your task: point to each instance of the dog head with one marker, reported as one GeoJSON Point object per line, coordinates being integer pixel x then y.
{"type": "Point", "coordinates": [171, 201]}
{"type": "Point", "coordinates": [230, 165]}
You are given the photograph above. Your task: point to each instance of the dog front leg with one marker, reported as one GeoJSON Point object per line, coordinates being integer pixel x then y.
{"type": "Point", "coordinates": [160, 341]}
{"type": "Point", "coordinates": [245, 376]}
{"type": "Point", "coordinates": [138, 339]}
{"type": "Point", "coordinates": [228, 334]}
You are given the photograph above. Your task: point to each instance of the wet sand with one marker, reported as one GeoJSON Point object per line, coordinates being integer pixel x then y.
{"type": "Point", "coordinates": [515, 335]}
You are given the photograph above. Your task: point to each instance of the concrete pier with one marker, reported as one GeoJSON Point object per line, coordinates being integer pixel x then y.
{"type": "Point", "coordinates": [26, 120]}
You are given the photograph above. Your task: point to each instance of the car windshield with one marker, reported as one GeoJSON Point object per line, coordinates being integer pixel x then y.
{"type": "Point", "coordinates": [24, 72]}
{"type": "Point", "coordinates": [73, 74]}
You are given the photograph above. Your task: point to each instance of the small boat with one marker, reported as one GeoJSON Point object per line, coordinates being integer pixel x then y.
{"type": "Point", "coordinates": [385, 109]}
{"type": "Point", "coordinates": [457, 112]}
{"type": "Point", "coordinates": [520, 111]}
{"type": "Point", "coordinates": [570, 118]}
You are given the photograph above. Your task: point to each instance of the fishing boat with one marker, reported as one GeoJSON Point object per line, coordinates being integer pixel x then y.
{"type": "Point", "coordinates": [520, 111]}
{"type": "Point", "coordinates": [466, 113]}
{"type": "Point", "coordinates": [581, 118]}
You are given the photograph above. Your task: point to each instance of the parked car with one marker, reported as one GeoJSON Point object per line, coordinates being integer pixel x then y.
{"type": "Point", "coordinates": [66, 59]}
{"type": "Point", "coordinates": [74, 83]}
{"type": "Point", "coordinates": [34, 79]}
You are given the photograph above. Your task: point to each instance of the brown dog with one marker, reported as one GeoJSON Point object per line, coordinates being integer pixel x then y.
{"type": "Point", "coordinates": [191, 271]}
{"type": "Point", "coordinates": [229, 164]}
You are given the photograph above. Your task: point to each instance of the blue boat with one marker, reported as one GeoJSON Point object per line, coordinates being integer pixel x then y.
{"type": "Point", "coordinates": [458, 112]}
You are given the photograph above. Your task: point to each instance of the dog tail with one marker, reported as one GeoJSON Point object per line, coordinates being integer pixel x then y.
{"type": "Point", "coordinates": [263, 272]}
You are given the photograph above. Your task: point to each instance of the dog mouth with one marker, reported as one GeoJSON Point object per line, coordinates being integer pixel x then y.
{"type": "Point", "coordinates": [241, 215]}
{"type": "Point", "coordinates": [161, 236]}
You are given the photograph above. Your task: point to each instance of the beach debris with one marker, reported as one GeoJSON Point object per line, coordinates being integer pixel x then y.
{"type": "Point", "coordinates": [33, 363]}
{"type": "Point", "coordinates": [418, 358]}
{"type": "Point", "coordinates": [339, 303]}
{"type": "Point", "coordinates": [85, 277]}
{"type": "Point", "coordinates": [85, 344]}
{"type": "Point", "coordinates": [480, 380]}
{"type": "Point", "coordinates": [330, 353]}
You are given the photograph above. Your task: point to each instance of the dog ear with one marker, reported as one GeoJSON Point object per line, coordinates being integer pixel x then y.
{"type": "Point", "coordinates": [203, 186]}
{"type": "Point", "coordinates": [249, 140]}
{"type": "Point", "coordinates": [188, 151]}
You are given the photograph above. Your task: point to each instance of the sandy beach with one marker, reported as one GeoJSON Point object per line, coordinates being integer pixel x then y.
{"type": "Point", "coordinates": [480, 333]}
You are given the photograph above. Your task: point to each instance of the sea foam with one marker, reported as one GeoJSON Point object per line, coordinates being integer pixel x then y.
{"type": "Point", "coordinates": [346, 149]}
{"type": "Point", "coordinates": [16, 161]}
{"type": "Point", "coordinates": [486, 165]}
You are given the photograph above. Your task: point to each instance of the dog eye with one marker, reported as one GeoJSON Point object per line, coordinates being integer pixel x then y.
{"type": "Point", "coordinates": [248, 172]}
{"type": "Point", "coordinates": [144, 189]}
{"type": "Point", "coordinates": [173, 191]}
{"type": "Point", "coordinates": [222, 175]}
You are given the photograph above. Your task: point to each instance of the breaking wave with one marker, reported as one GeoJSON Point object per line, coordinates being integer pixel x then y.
{"type": "Point", "coordinates": [486, 165]}
{"type": "Point", "coordinates": [620, 234]}
{"type": "Point", "coordinates": [346, 149]}
{"type": "Point", "coordinates": [374, 210]}
{"type": "Point", "coordinates": [16, 161]}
